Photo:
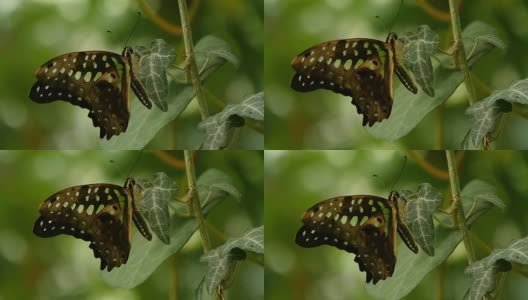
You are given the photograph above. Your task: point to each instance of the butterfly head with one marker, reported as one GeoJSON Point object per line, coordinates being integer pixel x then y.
{"type": "Point", "coordinates": [128, 52]}
{"type": "Point", "coordinates": [392, 38]}
{"type": "Point", "coordinates": [398, 202]}
{"type": "Point", "coordinates": [130, 183]}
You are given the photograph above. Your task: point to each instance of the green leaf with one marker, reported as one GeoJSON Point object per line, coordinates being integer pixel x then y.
{"type": "Point", "coordinates": [144, 124]}
{"type": "Point", "coordinates": [154, 206]}
{"type": "Point", "coordinates": [483, 197]}
{"type": "Point", "coordinates": [486, 112]}
{"type": "Point", "coordinates": [409, 109]}
{"type": "Point", "coordinates": [214, 185]}
{"type": "Point", "coordinates": [211, 54]}
{"type": "Point", "coordinates": [216, 127]}
{"type": "Point", "coordinates": [217, 269]}
{"type": "Point", "coordinates": [479, 39]}
{"type": "Point", "coordinates": [145, 256]}
{"type": "Point", "coordinates": [484, 271]}
{"type": "Point", "coordinates": [253, 241]}
{"type": "Point", "coordinates": [418, 49]}
{"type": "Point", "coordinates": [222, 259]}
{"type": "Point", "coordinates": [419, 217]}
{"type": "Point", "coordinates": [151, 70]}
{"type": "Point", "coordinates": [484, 119]}
{"type": "Point", "coordinates": [412, 268]}
{"type": "Point", "coordinates": [483, 281]}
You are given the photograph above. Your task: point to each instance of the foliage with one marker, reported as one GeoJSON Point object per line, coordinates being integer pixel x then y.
{"type": "Point", "coordinates": [64, 259]}
{"type": "Point", "coordinates": [297, 180]}
{"type": "Point", "coordinates": [222, 261]}
{"type": "Point", "coordinates": [25, 125]}
{"type": "Point", "coordinates": [155, 204]}
{"type": "Point", "coordinates": [216, 127]}
{"type": "Point", "coordinates": [210, 55]}
{"type": "Point", "coordinates": [418, 49]}
{"type": "Point", "coordinates": [420, 208]}
{"type": "Point", "coordinates": [151, 70]}
{"type": "Point", "coordinates": [315, 120]}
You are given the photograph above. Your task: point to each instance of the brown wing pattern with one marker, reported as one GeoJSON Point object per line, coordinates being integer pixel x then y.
{"type": "Point", "coordinates": [360, 224]}
{"type": "Point", "coordinates": [93, 213]}
{"type": "Point", "coordinates": [95, 80]}
{"type": "Point", "coordinates": [359, 68]}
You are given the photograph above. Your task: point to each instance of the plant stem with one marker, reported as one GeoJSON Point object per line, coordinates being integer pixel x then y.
{"type": "Point", "coordinates": [460, 53]}
{"type": "Point", "coordinates": [457, 207]}
{"type": "Point", "coordinates": [190, 61]}
{"type": "Point", "coordinates": [196, 209]}
{"type": "Point", "coordinates": [428, 167]}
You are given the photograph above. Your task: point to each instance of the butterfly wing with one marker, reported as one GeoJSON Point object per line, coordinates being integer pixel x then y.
{"type": "Point", "coordinates": [360, 224]}
{"type": "Point", "coordinates": [96, 80]}
{"type": "Point", "coordinates": [359, 68]}
{"type": "Point", "coordinates": [93, 213]}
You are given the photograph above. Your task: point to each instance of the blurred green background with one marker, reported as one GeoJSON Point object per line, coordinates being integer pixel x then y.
{"type": "Point", "coordinates": [34, 31]}
{"type": "Point", "coordinates": [296, 180]}
{"type": "Point", "coordinates": [63, 267]}
{"type": "Point", "coordinates": [325, 120]}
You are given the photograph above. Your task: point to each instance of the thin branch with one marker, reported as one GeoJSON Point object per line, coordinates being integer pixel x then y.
{"type": "Point", "coordinates": [433, 11]}
{"type": "Point", "coordinates": [162, 23]}
{"type": "Point", "coordinates": [190, 61]}
{"type": "Point", "coordinates": [170, 160]}
{"type": "Point", "coordinates": [460, 53]}
{"type": "Point", "coordinates": [434, 171]}
{"type": "Point", "coordinates": [457, 209]}
{"type": "Point", "coordinates": [194, 198]}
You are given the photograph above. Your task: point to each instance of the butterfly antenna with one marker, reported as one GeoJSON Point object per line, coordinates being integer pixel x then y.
{"type": "Point", "coordinates": [401, 172]}
{"type": "Point", "coordinates": [135, 163]}
{"type": "Point", "coordinates": [133, 29]}
{"type": "Point", "coordinates": [396, 16]}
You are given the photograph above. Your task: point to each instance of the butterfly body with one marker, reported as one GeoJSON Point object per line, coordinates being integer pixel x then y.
{"type": "Point", "coordinates": [99, 213]}
{"type": "Point", "coordinates": [360, 68]}
{"type": "Point", "coordinates": [99, 81]}
{"type": "Point", "coordinates": [361, 224]}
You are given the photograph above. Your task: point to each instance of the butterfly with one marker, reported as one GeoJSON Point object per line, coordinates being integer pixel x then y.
{"type": "Point", "coordinates": [361, 68]}
{"type": "Point", "coordinates": [99, 81]}
{"type": "Point", "coordinates": [361, 224]}
{"type": "Point", "coordinates": [99, 213]}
